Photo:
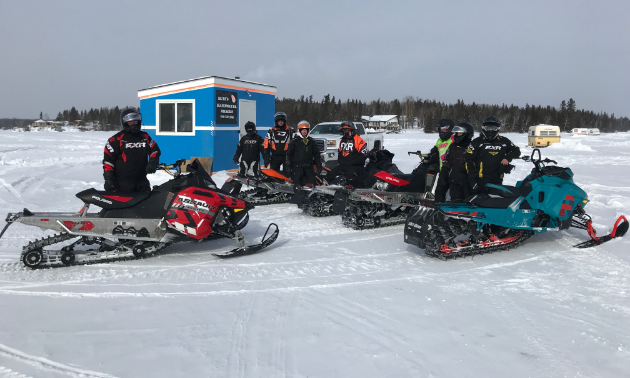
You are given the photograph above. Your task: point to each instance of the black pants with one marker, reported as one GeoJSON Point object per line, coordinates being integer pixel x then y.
{"type": "Point", "coordinates": [277, 161]}
{"type": "Point", "coordinates": [303, 175]}
{"type": "Point", "coordinates": [249, 168]}
{"type": "Point", "coordinates": [139, 185]}
{"type": "Point", "coordinates": [459, 191]}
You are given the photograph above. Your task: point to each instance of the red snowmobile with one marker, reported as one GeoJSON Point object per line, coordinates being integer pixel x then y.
{"type": "Point", "coordinates": [189, 207]}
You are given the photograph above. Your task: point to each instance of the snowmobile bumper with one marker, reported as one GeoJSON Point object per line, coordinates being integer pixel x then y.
{"type": "Point", "coordinates": [418, 224]}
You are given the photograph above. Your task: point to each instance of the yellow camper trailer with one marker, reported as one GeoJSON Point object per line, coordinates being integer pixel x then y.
{"type": "Point", "coordinates": [543, 135]}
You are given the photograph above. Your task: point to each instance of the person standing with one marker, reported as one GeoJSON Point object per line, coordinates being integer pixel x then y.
{"type": "Point", "coordinates": [129, 156]}
{"type": "Point", "coordinates": [248, 151]}
{"type": "Point", "coordinates": [488, 157]}
{"type": "Point", "coordinates": [353, 151]}
{"type": "Point", "coordinates": [303, 156]}
{"type": "Point", "coordinates": [454, 174]}
{"type": "Point", "coordinates": [277, 142]}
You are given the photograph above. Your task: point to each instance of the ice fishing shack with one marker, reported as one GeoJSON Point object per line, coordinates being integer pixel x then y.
{"type": "Point", "coordinates": [205, 117]}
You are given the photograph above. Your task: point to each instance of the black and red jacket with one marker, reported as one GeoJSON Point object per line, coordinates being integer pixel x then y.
{"type": "Point", "coordinates": [127, 154]}
{"type": "Point", "coordinates": [352, 151]}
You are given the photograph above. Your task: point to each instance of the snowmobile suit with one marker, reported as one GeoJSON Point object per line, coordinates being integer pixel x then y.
{"type": "Point", "coordinates": [438, 151]}
{"type": "Point", "coordinates": [276, 145]}
{"type": "Point", "coordinates": [302, 155]}
{"type": "Point", "coordinates": [454, 175]}
{"type": "Point", "coordinates": [127, 154]}
{"type": "Point", "coordinates": [248, 150]}
{"type": "Point", "coordinates": [483, 159]}
{"type": "Point", "coordinates": [351, 157]}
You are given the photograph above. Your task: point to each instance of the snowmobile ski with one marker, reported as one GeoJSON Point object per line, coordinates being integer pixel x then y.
{"type": "Point", "coordinates": [243, 250]}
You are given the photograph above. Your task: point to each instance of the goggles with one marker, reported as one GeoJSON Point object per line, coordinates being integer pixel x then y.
{"type": "Point", "coordinates": [490, 128]}
{"type": "Point", "coordinates": [132, 117]}
{"type": "Point", "coordinates": [444, 129]}
{"type": "Point", "coordinates": [459, 129]}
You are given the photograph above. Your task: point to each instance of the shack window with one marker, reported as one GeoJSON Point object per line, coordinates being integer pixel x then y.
{"type": "Point", "coordinates": [175, 116]}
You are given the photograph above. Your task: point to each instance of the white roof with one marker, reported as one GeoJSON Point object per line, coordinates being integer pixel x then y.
{"type": "Point", "coordinates": [39, 120]}
{"type": "Point", "coordinates": [378, 118]}
{"type": "Point", "coordinates": [203, 82]}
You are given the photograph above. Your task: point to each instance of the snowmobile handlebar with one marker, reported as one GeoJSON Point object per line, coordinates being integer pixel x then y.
{"type": "Point", "coordinates": [537, 159]}
{"type": "Point", "coordinates": [176, 165]}
{"type": "Point", "coordinates": [419, 153]}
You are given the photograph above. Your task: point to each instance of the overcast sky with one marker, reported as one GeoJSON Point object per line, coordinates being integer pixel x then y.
{"type": "Point", "coordinates": [59, 54]}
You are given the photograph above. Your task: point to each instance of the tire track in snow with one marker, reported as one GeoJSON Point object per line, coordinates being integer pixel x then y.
{"type": "Point", "coordinates": [46, 364]}
{"type": "Point", "coordinates": [237, 360]}
{"type": "Point", "coordinates": [367, 323]}
{"type": "Point", "coordinates": [8, 373]}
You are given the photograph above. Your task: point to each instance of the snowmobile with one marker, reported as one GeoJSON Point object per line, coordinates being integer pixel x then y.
{"type": "Point", "coordinates": [270, 187]}
{"type": "Point", "coordinates": [546, 200]}
{"type": "Point", "coordinates": [390, 194]}
{"type": "Point", "coordinates": [189, 207]}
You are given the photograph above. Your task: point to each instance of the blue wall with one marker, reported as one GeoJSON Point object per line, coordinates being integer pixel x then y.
{"type": "Point", "coordinates": [219, 144]}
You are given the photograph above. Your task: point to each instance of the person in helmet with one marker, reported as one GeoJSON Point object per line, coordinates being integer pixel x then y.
{"type": "Point", "coordinates": [445, 138]}
{"type": "Point", "coordinates": [488, 157]}
{"type": "Point", "coordinates": [129, 156]}
{"type": "Point", "coordinates": [454, 174]}
{"type": "Point", "coordinates": [353, 151]}
{"type": "Point", "coordinates": [302, 156]}
{"type": "Point", "coordinates": [248, 150]}
{"type": "Point", "coordinates": [277, 142]}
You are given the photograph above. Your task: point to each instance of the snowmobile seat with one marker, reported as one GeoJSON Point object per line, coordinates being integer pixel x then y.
{"type": "Point", "coordinates": [112, 200]}
{"type": "Point", "coordinates": [490, 201]}
{"type": "Point", "coordinates": [505, 191]}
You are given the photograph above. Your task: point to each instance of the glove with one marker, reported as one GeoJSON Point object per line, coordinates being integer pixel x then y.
{"type": "Point", "coordinates": [152, 166]}
{"type": "Point", "coordinates": [236, 161]}
{"type": "Point", "coordinates": [267, 162]}
{"type": "Point", "coordinates": [507, 169]}
{"type": "Point", "coordinates": [110, 182]}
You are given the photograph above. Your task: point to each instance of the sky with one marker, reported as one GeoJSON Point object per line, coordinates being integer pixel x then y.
{"type": "Point", "coordinates": [91, 54]}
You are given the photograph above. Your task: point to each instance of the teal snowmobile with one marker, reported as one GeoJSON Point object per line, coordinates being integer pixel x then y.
{"type": "Point", "coordinates": [546, 200]}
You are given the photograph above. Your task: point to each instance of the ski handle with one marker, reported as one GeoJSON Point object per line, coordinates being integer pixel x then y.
{"type": "Point", "coordinates": [537, 160]}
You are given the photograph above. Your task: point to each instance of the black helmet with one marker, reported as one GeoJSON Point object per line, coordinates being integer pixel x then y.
{"type": "Point", "coordinates": [468, 132]}
{"type": "Point", "coordinates": [490, 127]}
{"type": "Point", "coordinates": [280, 116]}
{"type": "Point", "coordinates": [445, 127]}
{"type": "Point", "coordinates": [347, 128]}
{"type": "Point", "coordinates": [250, 128]}
{"type": "Point", "coordinates": [131, 115]}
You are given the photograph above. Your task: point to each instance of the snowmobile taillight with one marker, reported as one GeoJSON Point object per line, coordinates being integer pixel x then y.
{"type": "Point", "coordinates": [349, 187]}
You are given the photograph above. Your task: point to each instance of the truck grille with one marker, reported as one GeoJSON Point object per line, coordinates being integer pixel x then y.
{"type": "Point", "coordinates": [321, 145]}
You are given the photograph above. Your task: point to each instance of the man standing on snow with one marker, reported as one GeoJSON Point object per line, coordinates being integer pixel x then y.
{"type": "Point", "coordinates": [302, 156]}
{"type": "Point", "coordinates": [248, 150]}
{"type": "Point", "coordinates": [129, 156]}
{"type": "Point", "coordinates": [489, 155]}
{"type": "Point", "coordinates": [277, 142]}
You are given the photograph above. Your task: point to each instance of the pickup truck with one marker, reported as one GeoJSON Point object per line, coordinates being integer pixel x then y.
{"type": "Point", "coordinates": [327, 136]}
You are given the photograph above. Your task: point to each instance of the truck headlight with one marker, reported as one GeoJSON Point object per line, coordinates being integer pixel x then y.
{"type": "Point", "coordinates": [331, 142]}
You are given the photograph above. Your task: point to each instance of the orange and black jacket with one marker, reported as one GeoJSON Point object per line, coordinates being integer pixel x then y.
{"type": "Point", "coordinates": [127, 155]}
{"type": "Point", "coordinates": [277, 141]}
{"type": "Point", "coordinates": [352, 151]}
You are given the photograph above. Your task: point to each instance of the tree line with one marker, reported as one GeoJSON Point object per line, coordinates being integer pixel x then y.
{"type": "Point", "coordinates": [107, 118]}
{"type": "Point", "coordinates": [428, 112]}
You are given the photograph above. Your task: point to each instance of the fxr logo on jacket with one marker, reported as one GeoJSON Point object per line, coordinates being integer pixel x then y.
{"type": "Point", "coordinates": [136, 145]}
{"type": "Point", "coordinates": [346, 147]}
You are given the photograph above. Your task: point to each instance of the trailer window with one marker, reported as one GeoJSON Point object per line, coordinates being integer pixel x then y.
{"type": "Point", "coordinates": [175, 116]}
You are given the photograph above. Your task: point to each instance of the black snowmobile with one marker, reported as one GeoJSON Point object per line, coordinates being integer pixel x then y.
{"type": "Point", "coordinates": [388, 195]}
{"type": "Point", "coordinates": [189, 207]}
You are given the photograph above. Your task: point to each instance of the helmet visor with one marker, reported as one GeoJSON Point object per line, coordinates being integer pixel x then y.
{"type": "Point", "coordinates": [491, 128]}
{"type": "Point", "coordinates": [458, 129]}
{"type": "Point", "coordinates": [444, 129]}
{"type": "Point", "coordinates": [132, 117]}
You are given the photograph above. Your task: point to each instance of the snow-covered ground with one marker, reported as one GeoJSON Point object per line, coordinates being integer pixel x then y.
{"type": "Point", "coordinates": [323, 301]}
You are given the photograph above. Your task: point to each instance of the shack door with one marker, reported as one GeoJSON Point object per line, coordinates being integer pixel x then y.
{"type": "Point", "coordinates": [246, 113]}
